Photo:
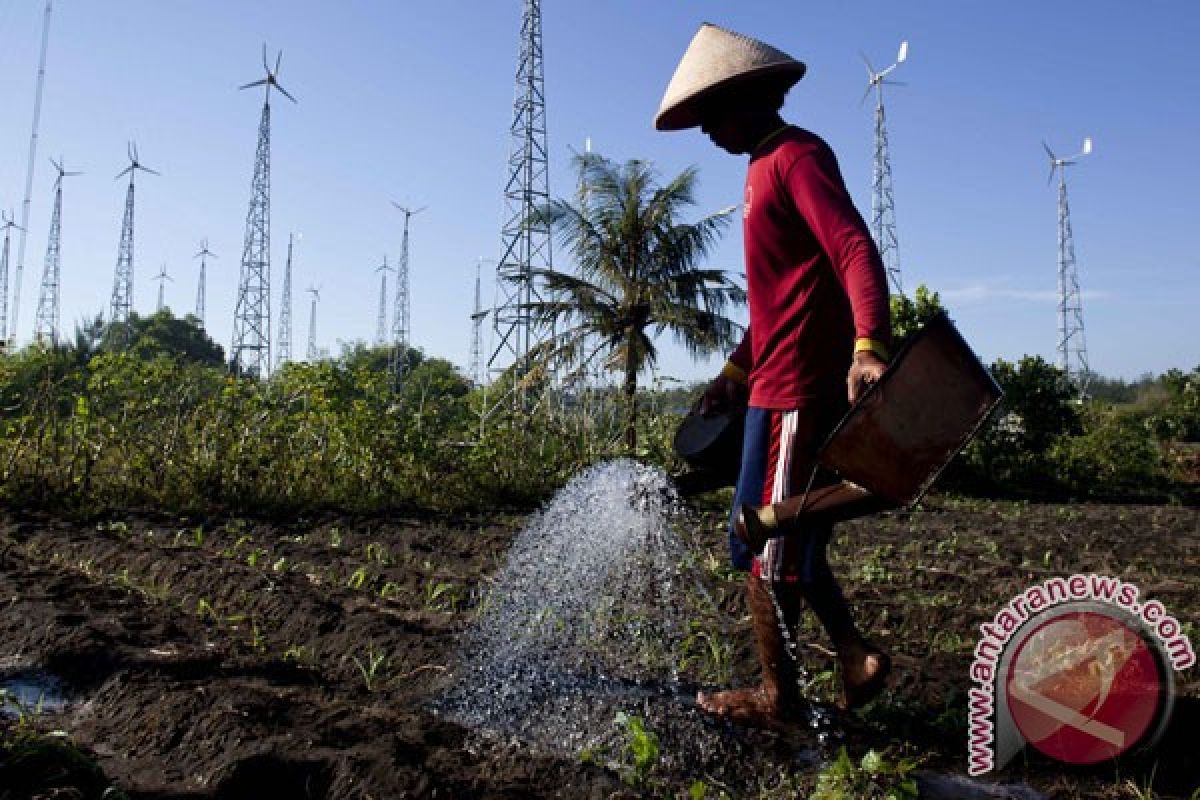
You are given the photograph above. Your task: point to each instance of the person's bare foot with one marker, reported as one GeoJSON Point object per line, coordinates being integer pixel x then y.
{"type": "Point", "coordinates": [755, 707]}
{"type": "Point", "coordinates": [864, 674]}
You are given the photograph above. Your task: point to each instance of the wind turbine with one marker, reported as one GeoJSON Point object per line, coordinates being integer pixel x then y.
{"type": "Point", "coordinates": [883, 205]}
{"type": "Point", "coordinates": [401, 314]}
{"type": "Point", "coordinates": [121, 303]}
{"type": "Point", "coordinates": [45, 327]}
{"type": "Point", "coordinates": [251, 349]}
{"type": "Point", "coordinates": [1072, 341]}
{"type": "Point", "coordinates": [6, 222]}
{"type": "Point", "coordinates": [203, 255]}
{"type": "Point", "coordinates": [162, 277]}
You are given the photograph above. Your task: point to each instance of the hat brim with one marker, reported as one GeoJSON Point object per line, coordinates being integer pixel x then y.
{"type": "Point", "coordinates": [685, 113]}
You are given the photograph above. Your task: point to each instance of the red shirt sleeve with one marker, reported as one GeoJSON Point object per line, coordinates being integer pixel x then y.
{"type": "Point", "coordinates": [816, 187]}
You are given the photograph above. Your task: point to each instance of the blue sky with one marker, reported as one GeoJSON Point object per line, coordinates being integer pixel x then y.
{"type": "Point", "coordinates": [412, 102]}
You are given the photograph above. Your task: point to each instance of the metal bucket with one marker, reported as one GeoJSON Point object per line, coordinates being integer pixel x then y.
{"type": "Point", "coordinates": [890, 448]}
{"type": "Point", "coordinates": [712, 447]}
{"type": "Point", "coordinates": [906, 428]}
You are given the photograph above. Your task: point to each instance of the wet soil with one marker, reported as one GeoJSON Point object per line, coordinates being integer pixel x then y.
{"type": "Point", "coordinates": [232, 658]}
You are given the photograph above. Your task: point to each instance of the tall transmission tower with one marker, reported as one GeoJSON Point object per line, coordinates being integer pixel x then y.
{"type": "Point", "coordinates": [285, 311]}
{"type": "Point", "coordinates": [313, 354]}
{"type": "Point", "coordinates": [33, 142]}
{"type": "Point", "coordinates": [162, 277]}
{"type": "Point", "coordinates": [45, 326]}
{"type": "Point", "coordinates": [402, 312]}
{"type": "Point", "coordinates": [121, 303]}
{"type": "Point", "coordinates": [525, 238]}
{"type": "Point", "coordinates": [883, 204]}
{"type": "Point", "coordinates": [476, 371]}
{"type": "Point", "coordinates": [1072, 342]}
{"type": "Point", "coordinates": [6, 222]}
{"type": "Point", "coordinates": [251, 349]}
{"type": "Point", "coordinates": [381, 320]}
{"type": "Point", "coordinates": [203, 255]}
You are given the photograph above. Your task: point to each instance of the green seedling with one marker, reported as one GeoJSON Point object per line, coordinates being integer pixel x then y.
{"type": "Point", "coordinates": [378, 553]}
{"type": "Point", "coordinates": [391, 590]}
{"type": "Point", "coordinates": [335, 537]}
{"type": "Point", "coordinates": [254, 555]}
{"type": "Point", "coordinates": [371, 667]}
{"type": "Point", "coordinates": [280, 564]}
{"type": "Point", "coordinates": [872, 778]}
{"type": "Point", "coordinates": [442, 596]}
{"type": "Point", "coordinates": [641, 747]}
{"type": "Point", "coordinates": [357, 578]}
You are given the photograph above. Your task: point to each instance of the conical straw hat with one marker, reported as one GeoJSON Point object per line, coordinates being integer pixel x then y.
{"type": "Point", "coordinates": [715, 59]}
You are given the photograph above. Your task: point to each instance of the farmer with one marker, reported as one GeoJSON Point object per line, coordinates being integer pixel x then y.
{"type": "Point", "coordinates": [818, 336]}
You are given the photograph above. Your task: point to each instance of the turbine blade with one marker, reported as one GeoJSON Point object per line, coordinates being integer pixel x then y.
{"type": "Point", "coordinates": [1049, 152]}
{"type": "Point", "coordinates": [278, 61]}
{"type": "Point", "coordinates": [252, 85]}
{"type": "Point", "coordinates": [1050, 177]}
{"type": "Point", "coordinates": [266, 66]}
{"type": "Point", "coordinates": [896, 83]}
{"type": "Point", "coordinates": [867, 61]}
{"type": "Point", "coordinates": [151, 171]}
{"type": "Point", "coordinates": [866, 93]}
{"type": "Point", "coordinates": [284, 92]}
{"type": "Point", "coordinates": [121, 174]}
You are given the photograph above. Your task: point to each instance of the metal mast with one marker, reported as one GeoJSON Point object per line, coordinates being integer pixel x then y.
{"type": "Point", "coordinates": [401, 314]}
{"type": "Point", "coordinates": [883, 205]}
{"type": "Point", "coordinates": [1072, 343]}
{"type": "Point", "coordinates": [162, 277]}
{"type": "Point", "coordinates": [251, 349]}
{"type": "Point", "coordinates": [45, 326]}
{"type": "Point", "coordinates": [381, 320]}
{"type": "Point", "coordinates": [203, 255]}
{"type": "Point", "coordinates": [121, 303]}
{"type": "Point", "coordinates": [313, 354]}
{"type": "Point", "coordinates": [8, 225]}
{"type": "Point", "coordinates": [525, 239]}
{"type": "Point", "coordinates": [33, 141]}
{"type": "Point", "coordinates": [476, 371]}
{"type": "Point", "coordinates": [285, 312]}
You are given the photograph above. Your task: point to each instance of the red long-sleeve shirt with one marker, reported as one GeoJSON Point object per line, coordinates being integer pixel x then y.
{"type": "Point", "coordinates": [814, 277]}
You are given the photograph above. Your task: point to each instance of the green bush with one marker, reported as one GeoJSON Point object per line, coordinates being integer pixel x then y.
{"type": "Point", "coordinates": [1117, 454]}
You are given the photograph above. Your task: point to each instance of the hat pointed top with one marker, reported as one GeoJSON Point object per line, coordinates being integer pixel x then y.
{"type": "Point", "coordinates": [715, 59]}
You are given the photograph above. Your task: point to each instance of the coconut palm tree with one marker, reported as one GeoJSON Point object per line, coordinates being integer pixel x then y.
{"type": "Point", "coordinates": [638, 275]}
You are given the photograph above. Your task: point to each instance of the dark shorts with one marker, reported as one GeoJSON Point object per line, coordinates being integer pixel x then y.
{"type": "Point", "coordinates": [777, 458]}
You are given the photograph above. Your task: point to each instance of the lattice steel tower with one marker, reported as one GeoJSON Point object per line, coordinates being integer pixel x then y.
{"type": "Point", "coordinates": [203, 255]}
{"type": "Point", "coordinates": [381, 326]}
{"type": "Point", "coordinates": [313, 353]}
{"type": "Point", "coordinates": [25, 204]}
{"type": "Point", "coordinates": [8, 225]}
{"type": "Point", "coordinates": [476, 370]}
{"type": "Point", "coordinates": [121, 303]}
{"type": "Point", "coordinates": [285, 311]}
{"type": "Point", "coordinates": [1072, 342]}
{"type": "Point", "coordinates": [250, 352]}
{"type": "Point", "coordinates": [162, 277]}
{"type": "Point", "coordinates": [45, 326]}
{"type": "Point", "coordinates": [883, 204]}
{"type": "Point", "coordinates": [402, 313]}
{"type": "Point", "coordinates": [525, 239]}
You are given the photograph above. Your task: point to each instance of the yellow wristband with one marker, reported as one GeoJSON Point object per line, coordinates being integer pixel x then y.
{"type": "Point", "coordinates": [733, 372]}
{"type": "Point", "coordinates": [876, 347]}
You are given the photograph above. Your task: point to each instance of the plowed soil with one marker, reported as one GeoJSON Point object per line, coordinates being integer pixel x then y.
{"type": "Point", "coordinates": [227, 658]}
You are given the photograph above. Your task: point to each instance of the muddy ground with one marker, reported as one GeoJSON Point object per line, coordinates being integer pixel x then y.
{"type": "Point", "coordinates": [240, 659]}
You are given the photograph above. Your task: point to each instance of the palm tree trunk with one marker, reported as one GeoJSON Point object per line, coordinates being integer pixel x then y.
{"type": "Point", "coordinates": [630, 391]}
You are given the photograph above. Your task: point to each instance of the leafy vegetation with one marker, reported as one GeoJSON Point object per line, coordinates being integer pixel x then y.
{"type": "Point", "coordinates": [637, 270]}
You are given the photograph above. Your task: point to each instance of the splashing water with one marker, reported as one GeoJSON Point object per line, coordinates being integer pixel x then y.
{"type": "Point", "coordinates": [587, 617]}
{"type": "Point", "coordinates": [587, 605]}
